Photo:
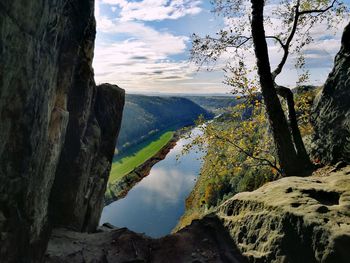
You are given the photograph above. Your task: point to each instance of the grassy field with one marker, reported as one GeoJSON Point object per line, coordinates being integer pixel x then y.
{"type": "Point", "coordinates": [136, 156]}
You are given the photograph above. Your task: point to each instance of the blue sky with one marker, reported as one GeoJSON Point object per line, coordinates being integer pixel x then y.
{"type": "Point", "coordinates": [143, 46]}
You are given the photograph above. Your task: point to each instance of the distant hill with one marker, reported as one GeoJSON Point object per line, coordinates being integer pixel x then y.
{"type": "Point", "coordinates": [146, 115]}
{"type": "Point", "coordinates": [213, 103]}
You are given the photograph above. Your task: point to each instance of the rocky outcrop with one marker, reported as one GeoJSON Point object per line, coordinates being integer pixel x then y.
{"type": "Point", "coordinates": [203, 241]}
{"type": "Point", "coordinates": [108, 112]}
{"type": "Point", "coordinates": [293, 220]}
{"type": "Point", "coordinates": [48, 99]}
{"type": "Point", "coordinates": [331, 113]}
{"type": "Point", "coordinates": [83, 170]}
{"type": "Point", "coordinates": [33, 120]}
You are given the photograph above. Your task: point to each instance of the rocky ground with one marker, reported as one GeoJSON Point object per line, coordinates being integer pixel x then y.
{"type": "Point", "coordinates": [203, 241]}
{"type": "Point", "coordinates": [294, 219]}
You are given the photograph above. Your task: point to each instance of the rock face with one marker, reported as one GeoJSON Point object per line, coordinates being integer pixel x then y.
{"type": "Point", "coordinates": [331, 113]}
{"type": "Point", "coordinates": [47, 85]}
{"type": "Point", "coordinates": [33, 120]}
{"type": "Point", "coordinates": [77, 196]}
{"type": "Point", "coordinates": [293, 220]}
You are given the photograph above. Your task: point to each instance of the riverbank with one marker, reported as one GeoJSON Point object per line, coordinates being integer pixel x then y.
{"type": "Point", "coordinates": [127, 161]}
{"type": "Point", "coordinates": [119, 189]}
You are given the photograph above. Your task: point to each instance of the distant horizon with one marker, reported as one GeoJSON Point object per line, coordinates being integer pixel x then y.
{"type": "Point", "coordinates": [175, 94]}
{"type": "Point", "coordinates": [160, 93]}
{"type": "Point", "coordinates": [181, 94]}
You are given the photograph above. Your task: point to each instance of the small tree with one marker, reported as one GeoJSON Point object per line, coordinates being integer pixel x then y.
{"type": "Point", "coordinates": [246, 30]}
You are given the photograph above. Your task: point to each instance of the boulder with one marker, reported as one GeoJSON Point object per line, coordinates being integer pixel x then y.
{"type": "Point", "coordinates": [331, 112]}
{"type": "Point", "coordinates": [293, 220]}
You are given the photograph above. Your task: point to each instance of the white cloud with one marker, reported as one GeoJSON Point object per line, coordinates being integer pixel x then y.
{"type": "Point", "coordinates": [162, 42]}
{"type": "Point", "coordinates": [142, 59]}
{"type": "Point", "coordinates": [137, 63]}
{"type": "Point", "coordinates": [150, 10]}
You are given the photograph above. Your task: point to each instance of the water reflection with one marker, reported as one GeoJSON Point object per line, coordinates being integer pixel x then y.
{"type": "Point", "coordinates": [155, 205]}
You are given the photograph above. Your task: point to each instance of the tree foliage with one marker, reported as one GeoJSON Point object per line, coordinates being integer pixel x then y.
{"type": "Point", "coordinates": [237, 140]}
{"type": "Point", "coordinates": [239, 151]}
{"type": "Point", "coordinates": [288, 25]}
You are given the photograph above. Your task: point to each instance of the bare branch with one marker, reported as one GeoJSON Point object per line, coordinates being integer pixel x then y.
{"type": "Point", "coordinates": [277, 39]}
{"type": "Point", "coordinates": [297, 15]}
{"type": "Point", "coordinates": [280, 66]}
{"type": "Point", "coordinates": [233, 42]}
{"type": "Point", "coordinates": [244, 42]}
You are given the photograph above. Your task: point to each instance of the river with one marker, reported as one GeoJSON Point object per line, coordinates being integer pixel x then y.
{"type": "Point", "coordinates": [155, 205]}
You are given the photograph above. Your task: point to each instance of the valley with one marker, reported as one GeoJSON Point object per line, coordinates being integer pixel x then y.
{"type": "Point", "coordinates": [155, 168]}
{"type": "Point", "coordinates": [155, 204]}
{"type": "Point", "coordinates": [174, 131]}
{"type": "Point", "coordinates": [151, 126]}
{"type": "Point", "coordinates": [146, 116]}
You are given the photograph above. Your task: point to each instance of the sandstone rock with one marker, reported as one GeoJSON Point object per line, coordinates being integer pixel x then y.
{"type": "Point", "coordinates": [331, 113]}
{"type": "Point", "coordinates": [293, 220]}
{"type": "Point", "coordinates": [33, 120]}
{"type": "Point", "coordinates": [83, 170]}
{"type": "Point", "coordinates": [108, 111]}
{"type": "Point", "coordinates": [47, 85]}
{"type": "Point", "coordinates": [203, 241]}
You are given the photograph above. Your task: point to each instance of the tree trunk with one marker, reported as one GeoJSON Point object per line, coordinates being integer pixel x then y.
{"type": "Point", "coordinates": [287, 94]}
{"type": "Point", "coordinates": [287, 155]}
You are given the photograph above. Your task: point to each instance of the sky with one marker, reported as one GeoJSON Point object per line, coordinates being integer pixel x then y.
{"type": "Point", "coordinates": [143, 47]}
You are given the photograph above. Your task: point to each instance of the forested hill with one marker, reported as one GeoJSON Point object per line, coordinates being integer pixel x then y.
{"type": "Point", "coordinates": [146, 115]}
{"type": "Point", "coordinates": [214, 103]}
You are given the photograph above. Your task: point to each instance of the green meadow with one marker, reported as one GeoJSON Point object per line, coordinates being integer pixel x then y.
{"type": "Point", "coordinates": [137, 155]}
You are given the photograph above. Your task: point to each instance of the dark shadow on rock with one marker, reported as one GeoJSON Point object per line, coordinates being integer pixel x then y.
{"type": "Point", "coordinates": [205, 240]}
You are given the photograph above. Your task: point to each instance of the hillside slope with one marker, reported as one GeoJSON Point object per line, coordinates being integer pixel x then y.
{"type": "Point", "coordinates": [214, 103]}
{"type": "Point", "coordinates": [146, 115]}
